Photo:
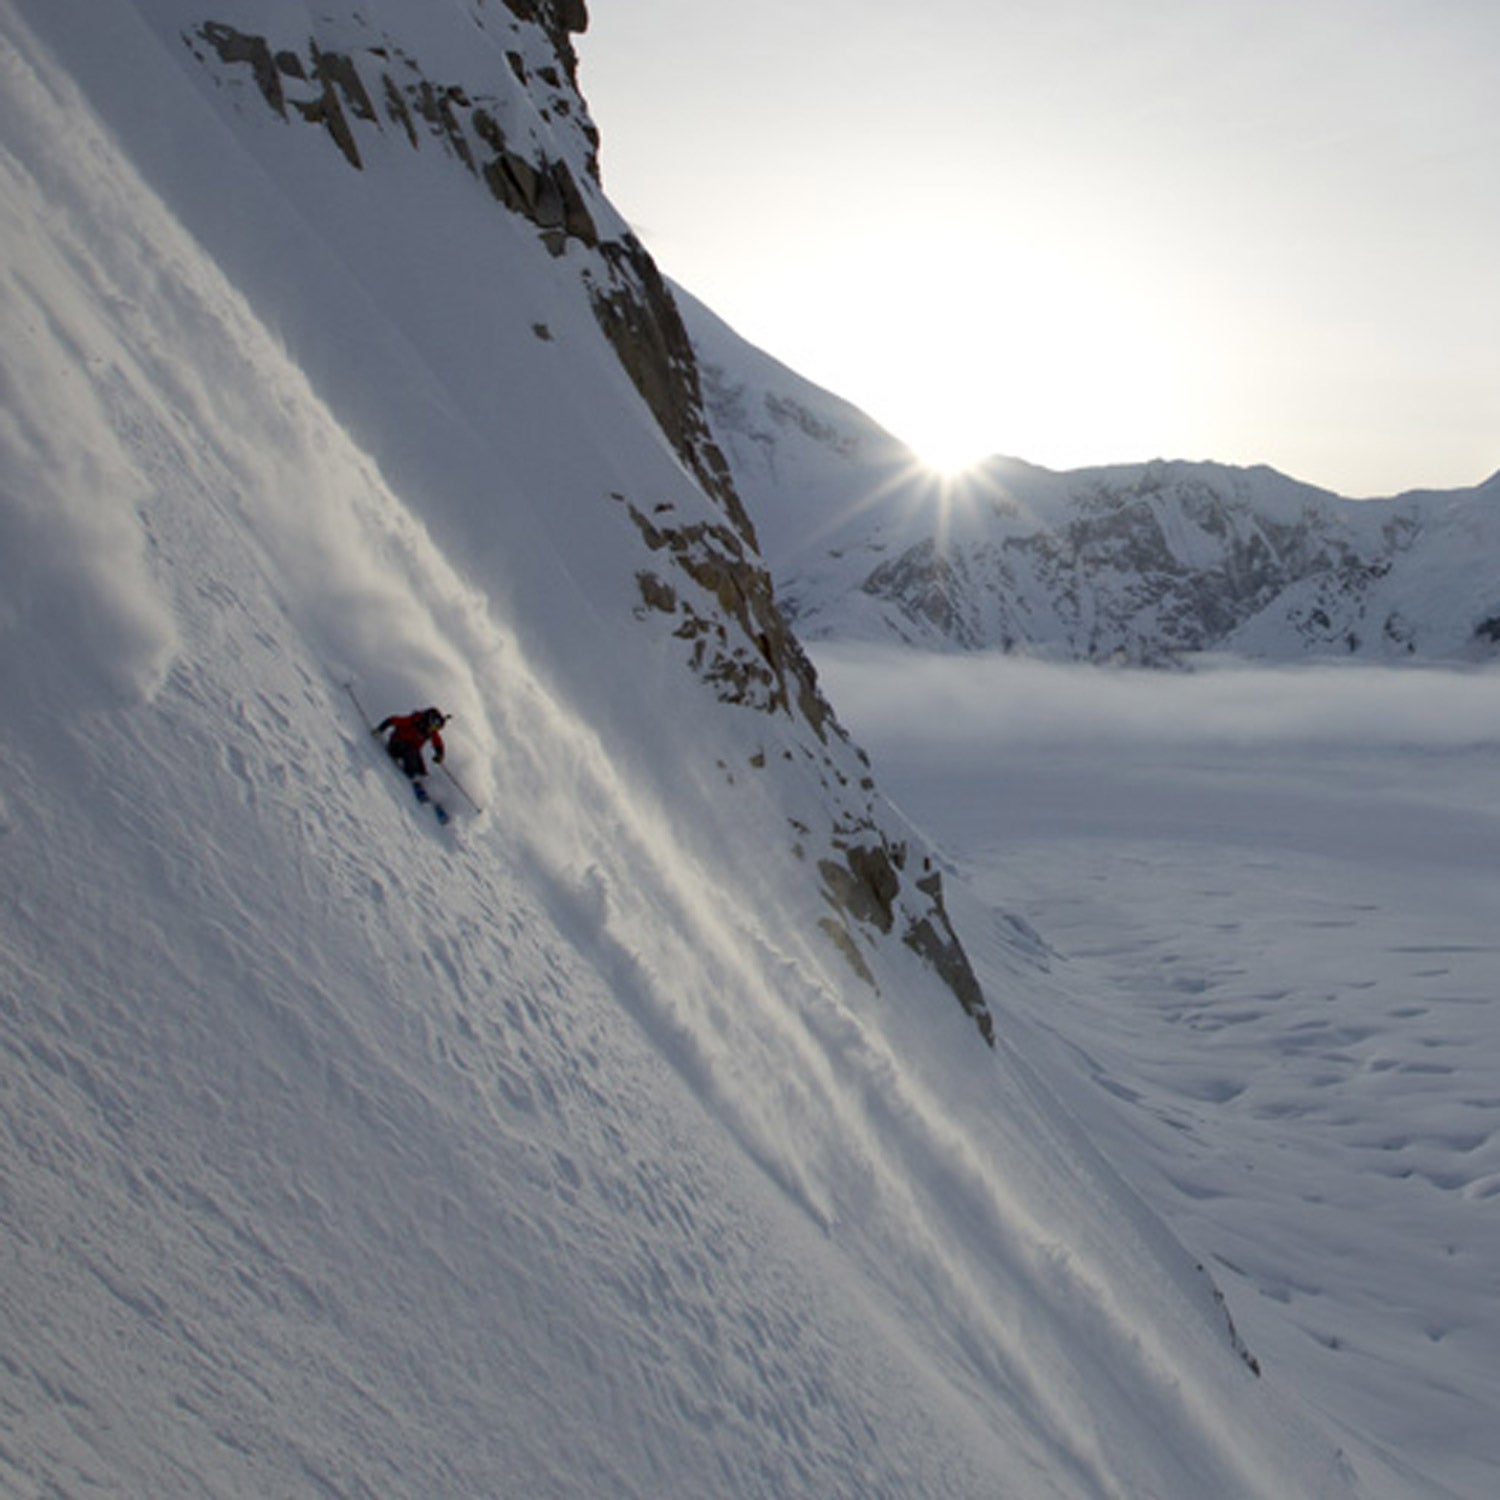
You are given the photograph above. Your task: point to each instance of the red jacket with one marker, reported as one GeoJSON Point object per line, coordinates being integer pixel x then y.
{"type": "Point", "coordinates": [412, 731]}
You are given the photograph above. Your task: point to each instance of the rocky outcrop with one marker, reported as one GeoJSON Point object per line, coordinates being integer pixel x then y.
{"type": "Point", "coordinates": [383, 89]}
{"type": "Point", "coordinates": [561, 20]}
{"type": "Point", "coordinates": [642, 322]}
{"type": "Point", "coordinates": [867, 886]}
{"type": "Point", "coordinates": [739, 637]}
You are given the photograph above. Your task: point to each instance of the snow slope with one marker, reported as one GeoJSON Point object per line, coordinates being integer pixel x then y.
{"type": "Point", "coordinates": [555, 1154]}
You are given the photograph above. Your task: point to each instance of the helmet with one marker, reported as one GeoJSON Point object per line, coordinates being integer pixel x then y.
{"type": "Point", "coordinates": [433, 718]}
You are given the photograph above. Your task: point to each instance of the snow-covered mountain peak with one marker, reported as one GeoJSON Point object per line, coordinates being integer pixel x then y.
{"type": "Point", "coordinates": [1142, 562]}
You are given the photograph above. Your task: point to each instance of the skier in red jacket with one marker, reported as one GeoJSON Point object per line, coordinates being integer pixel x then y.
{"type": "Point", "coordinates": [410, 733]}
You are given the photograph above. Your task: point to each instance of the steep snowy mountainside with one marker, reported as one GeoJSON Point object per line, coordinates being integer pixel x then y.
{"type": "Point", "coordinates": [559, 1153]}
{"type": "Point", "coordinates": [1137, 562]}
{"type": "Point", "coordinates": [472, 122]}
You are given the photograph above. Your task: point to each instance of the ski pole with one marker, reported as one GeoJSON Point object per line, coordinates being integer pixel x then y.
{"type": "Point", "coordinates": [359, 707]}
{"type": "Point", "coordinates": [459, 786]}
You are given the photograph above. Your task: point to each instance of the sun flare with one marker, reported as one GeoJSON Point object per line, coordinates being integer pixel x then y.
{"type": "Point", "coordinates": [947, 456]}
{"type": "Point", "coordinates": [950, 427]}
{"type": "Point", "coordinates": [1055, 359]}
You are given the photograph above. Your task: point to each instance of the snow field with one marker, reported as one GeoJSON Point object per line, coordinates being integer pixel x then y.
{"type": "Point", "coordinates": [1266, 941]}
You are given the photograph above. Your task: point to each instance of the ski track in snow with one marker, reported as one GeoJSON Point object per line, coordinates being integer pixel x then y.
{"type": "Point", "coordinates": [1279, 966]}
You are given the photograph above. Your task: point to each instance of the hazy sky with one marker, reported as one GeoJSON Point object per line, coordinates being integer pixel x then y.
{"type": "Point", "coordinates": [1080, 231]}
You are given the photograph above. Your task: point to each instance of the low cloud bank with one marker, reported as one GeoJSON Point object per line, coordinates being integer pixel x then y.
{"type": "Point", "coordinates": [898, 697]}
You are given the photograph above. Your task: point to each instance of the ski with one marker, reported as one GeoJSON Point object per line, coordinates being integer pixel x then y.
{"type": "Point", "coordinates": [439, 811]}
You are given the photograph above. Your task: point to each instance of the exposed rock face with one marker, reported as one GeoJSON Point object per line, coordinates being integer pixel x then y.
{"type": "Point", "coordinates": [867, 886]}
{"type": "Point", "coordinates": [338, 91]}
{"type": "Point", "coordinates": [559, 19]}
{"type": "Point", "coordinates": [761, 663]}
{"type": "Point", "coordinates": [529, 143]}
{"type": "Point", "coordinates": [381, 89]}
{"type": "Point", "coordinates": [642, 322]}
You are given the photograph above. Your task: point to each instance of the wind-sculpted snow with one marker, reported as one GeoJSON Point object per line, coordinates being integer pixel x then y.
{"type": "Point", "coordinates": [73, 575]}
{"type": "Point", "coordinates": [554, 1154]}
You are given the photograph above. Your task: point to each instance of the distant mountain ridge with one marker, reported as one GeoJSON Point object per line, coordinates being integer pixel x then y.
{"type": "Point", "coordinates": [1142, 563]}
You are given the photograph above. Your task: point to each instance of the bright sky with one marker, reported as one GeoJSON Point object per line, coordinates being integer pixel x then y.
{"type": "Point", "coordinates": [1089, 231]}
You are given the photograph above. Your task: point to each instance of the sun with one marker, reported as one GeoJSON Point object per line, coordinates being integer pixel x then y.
{"type": "Point", "coordinates": [945, 440]}
{"type": "Point", "coordinates": [947, 455]}
{"type": "Point", "coordinates": [1010, 349]}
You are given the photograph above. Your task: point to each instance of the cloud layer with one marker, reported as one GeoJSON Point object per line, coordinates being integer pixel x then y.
{"type": "Point", "coordinates": [902, 699]}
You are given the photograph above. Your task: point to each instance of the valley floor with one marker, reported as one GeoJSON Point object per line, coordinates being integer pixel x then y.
{"type": "Point", "coordinates": [1272, 960]}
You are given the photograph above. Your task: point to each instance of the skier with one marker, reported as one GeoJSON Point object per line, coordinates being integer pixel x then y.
{"type": "Point", "coordinates": [410, 733]}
